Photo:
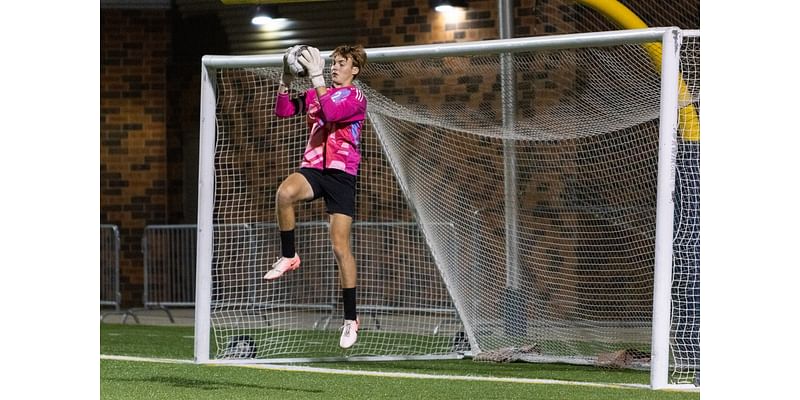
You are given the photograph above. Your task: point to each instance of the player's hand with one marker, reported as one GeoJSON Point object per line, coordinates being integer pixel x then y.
{"type": "Point", "coordinates": [314, 64]}
{"type": "Point", "coordinates": [287, 77]}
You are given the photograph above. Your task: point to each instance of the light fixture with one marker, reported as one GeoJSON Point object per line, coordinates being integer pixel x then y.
{"type": "Point", "coordinates": [263, 15]}
{"type": "Point", "coordinates": [444, 6]}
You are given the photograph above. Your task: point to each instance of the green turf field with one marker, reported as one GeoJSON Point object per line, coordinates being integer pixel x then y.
{"type": "Point", "coordinates": [161, 380]}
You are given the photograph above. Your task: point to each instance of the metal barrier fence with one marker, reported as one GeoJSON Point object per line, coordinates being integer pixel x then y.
{"type": "Point", "coordinates": [170, 256]}
{"type": "Point", "coordinates": [110, 294]}
{"type": "Point", "coordinates": [170, 259]}
{"type": "Point", "coordinates": [109, 266]}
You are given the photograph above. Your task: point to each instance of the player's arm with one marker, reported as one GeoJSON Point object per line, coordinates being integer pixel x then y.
{"type": "Point", "coordinates": [286, 106]}
{"type": "Point", "coordinates": [352, 107]}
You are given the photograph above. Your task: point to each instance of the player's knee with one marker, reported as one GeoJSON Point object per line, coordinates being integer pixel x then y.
{"type": "Point", "coordinates": [284, 196]}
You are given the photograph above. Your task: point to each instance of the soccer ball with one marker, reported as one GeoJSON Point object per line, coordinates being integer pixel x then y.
{"type": "Point", "coordinates": [240, 347]}
{"type": "Point", "coordinates": [291, 61]}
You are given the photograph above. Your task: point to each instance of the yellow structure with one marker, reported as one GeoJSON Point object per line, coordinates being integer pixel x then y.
{"type": "Point", "coordinates": [689, 121]}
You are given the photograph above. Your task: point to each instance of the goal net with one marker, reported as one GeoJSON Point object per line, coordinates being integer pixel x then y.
{"type": "Point", "coordinates": [506, 208]}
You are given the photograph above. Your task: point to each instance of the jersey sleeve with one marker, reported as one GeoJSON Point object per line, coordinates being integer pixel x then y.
{"type": "Point", "coordinates": [344, 105]}
{"type": "Point", "coordinates": [286, 106]}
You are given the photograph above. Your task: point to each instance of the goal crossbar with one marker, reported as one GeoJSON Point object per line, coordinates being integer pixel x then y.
{"type": "Point", "coordinates": [494, 46]}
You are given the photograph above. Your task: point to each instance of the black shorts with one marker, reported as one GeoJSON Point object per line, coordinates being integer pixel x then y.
{"type": "Point", "coordinates": [336, 186]}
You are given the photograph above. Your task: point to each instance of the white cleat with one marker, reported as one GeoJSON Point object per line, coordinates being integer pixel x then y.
{"type": "Point", "coordinates": [282, 266]}
{"type": "Point", "coordinates": [349, 333]}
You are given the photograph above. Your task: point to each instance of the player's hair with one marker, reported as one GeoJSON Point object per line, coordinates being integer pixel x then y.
{"type": "Point", "coordinates": [355, 52]}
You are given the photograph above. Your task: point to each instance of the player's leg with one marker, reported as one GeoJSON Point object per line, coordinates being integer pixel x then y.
{"type": "Point", "coordinates": [293, 189]}
{"type": "Point", "coordinates": [340, 239]}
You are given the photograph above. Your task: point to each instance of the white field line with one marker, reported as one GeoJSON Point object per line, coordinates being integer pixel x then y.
{"type": "Point", "coordinates": [293, 368]}
{"type": "Point", "coordinates": [145, 359]}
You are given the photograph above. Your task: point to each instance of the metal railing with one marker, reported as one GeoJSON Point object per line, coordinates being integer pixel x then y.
{"type": "Point", "coordinates": [110, 294]}
{"type": "Point", "coordinates": [109, 266]}
{"type": "Point", "coordinates": [170, 259]}
{"type": "Point", "coordinates": [170, 256]}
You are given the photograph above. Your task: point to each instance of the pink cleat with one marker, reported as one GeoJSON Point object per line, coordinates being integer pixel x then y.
{"type": "Point", "coordinates": [282, 266]}
{"type": "Point", "coordinates": [349, 333]}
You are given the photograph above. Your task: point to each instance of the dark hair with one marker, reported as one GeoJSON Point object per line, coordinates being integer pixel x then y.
{"type": "Point", "coordinates": [354, 52]}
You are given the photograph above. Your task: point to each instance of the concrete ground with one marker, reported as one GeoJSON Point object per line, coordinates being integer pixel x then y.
{"type": "Point", "coordinates": [180, 316]}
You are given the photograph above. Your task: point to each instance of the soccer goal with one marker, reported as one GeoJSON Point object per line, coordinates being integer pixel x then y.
{"type": "Point", "coordinates": [530, 199]}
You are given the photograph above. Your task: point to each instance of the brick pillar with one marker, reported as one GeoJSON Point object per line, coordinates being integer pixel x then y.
{"type": "Point", "coordinates": [133, 146]}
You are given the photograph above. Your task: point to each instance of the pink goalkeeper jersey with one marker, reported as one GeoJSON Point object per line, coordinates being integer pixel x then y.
{"type": "Point", "coordinates": [334, 121]}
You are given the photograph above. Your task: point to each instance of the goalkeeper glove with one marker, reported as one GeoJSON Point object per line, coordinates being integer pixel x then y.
{"type": "Point", "coordinates": [287, 77]}
{"type": "Point", "coordinates": [314, 64]}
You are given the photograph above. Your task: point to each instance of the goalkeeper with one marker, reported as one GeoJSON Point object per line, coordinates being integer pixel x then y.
{"type": "Point", "coordinates": [335, 118]}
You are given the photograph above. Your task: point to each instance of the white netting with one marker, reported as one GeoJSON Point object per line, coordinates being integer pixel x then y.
{"type": "Point", "coordinates": [584, 149]}
{"type": "Point", "coordinates": [402, 301]}
{"type": "Point", "coordinates": [574, 282]}
{"type": "Point", "coordinates": [685, 335]}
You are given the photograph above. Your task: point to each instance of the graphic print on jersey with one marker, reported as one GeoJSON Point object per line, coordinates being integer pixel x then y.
{"type": "Point", "coordinates": [340, 95]}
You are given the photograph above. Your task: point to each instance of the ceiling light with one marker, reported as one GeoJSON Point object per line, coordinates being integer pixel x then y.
{"type": "Point", "coordinates": [444, 6]}
{"type": "Point", "coordinates": [263, 15]}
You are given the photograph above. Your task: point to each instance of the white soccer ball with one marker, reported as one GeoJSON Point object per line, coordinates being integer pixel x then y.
{"type": "Point", "coordinates": [240, 347]}
{"type": "Point", "coordinates": [292, 55]}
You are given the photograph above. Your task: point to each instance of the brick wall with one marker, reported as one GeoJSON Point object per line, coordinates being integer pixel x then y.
{"type": "Point", "coordinates": [150, 65]}
{"type": "Point", "coordinates": [134, 49]}
{"type": "Point", "coordinates": [409, 22]}
{"type": "Point", "coordinates": [150, 105]}
{"type": "Point", "coordinates": [405, 22]}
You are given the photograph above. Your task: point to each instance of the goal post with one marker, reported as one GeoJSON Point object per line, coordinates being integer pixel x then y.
{"type": "Point", "coordinates": [205, 214]}
{"type": "Point", "coordinates": [662, 275]}
{"type": "Point", "coordinates": [520, 210]}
